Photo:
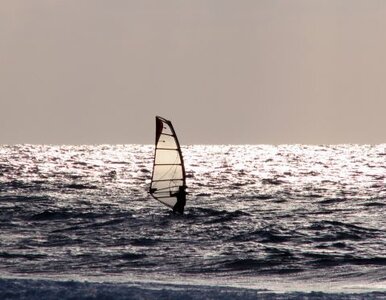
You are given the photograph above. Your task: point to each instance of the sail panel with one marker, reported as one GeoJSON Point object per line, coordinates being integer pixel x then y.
{"type": "Point", "coordinates": [167, 172]}
{"type": "Point", "coordinates": [167, 142]}
{"type": "Point", "coordinates": [170, 201]}
{"type": "Point", "coordinates": [165, 156]}
{"type": "Point", "coordinates": [168, 168]}
{"type": "Point", "coordinates": [162, 186]}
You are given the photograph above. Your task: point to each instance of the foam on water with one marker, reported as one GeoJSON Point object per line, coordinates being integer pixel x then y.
{"type": "Point", "coordinates": [74, 289]}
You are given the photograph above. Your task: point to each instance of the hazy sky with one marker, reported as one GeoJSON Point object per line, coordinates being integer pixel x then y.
{"type": "Point", "coordinates": [224, 71]}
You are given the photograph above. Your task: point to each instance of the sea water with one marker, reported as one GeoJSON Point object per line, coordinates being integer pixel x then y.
{"type": "Point", "coordinates": [274, 222]}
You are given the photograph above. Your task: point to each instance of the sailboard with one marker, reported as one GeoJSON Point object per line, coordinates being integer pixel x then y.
{"type": "Point", "coordinates": [168, 181]}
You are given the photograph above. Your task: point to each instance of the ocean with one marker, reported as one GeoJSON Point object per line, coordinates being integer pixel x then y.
{"type": "Point", "coordinates": [261, 221]}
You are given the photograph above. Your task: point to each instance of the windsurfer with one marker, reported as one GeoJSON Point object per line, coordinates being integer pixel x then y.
{"type": "Point", "coordinates": [181, 200]}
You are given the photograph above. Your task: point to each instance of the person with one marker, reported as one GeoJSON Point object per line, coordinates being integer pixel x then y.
{"type": "Point", "coordinates": [181, 200]}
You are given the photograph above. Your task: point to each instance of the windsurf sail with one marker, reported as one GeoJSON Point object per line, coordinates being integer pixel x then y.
{"type": "Point", "coordinates": [168, 178]}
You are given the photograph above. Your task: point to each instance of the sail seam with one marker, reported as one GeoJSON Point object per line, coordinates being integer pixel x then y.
{"type": "Point", "coordinates": [171, 149]}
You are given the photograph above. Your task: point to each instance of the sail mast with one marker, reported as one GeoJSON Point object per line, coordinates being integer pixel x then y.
{"type": "Point", "coordinates": [179, 152]}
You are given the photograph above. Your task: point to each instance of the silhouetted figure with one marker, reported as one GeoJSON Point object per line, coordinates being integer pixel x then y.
{"type": "Point", "coordinates": [181, 200]}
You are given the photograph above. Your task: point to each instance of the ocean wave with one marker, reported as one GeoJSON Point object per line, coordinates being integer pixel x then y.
{"type": "Point", "coordinates": [327, 260]}
{"type": "Point", "coordinates": [266, 234]}
{"type": "Point", "coordinates": [31, 289]}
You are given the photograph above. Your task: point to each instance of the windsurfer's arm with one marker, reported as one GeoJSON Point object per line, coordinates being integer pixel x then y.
{"type": "Point", "coordinates": [180, 192]}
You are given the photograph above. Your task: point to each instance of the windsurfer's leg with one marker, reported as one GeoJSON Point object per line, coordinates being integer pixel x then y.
{"type": "Point", "coordinates": [179, 207]}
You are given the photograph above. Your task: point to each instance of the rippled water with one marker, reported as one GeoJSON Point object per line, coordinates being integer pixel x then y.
{"type": "Point", "coordinates": [292, 212]}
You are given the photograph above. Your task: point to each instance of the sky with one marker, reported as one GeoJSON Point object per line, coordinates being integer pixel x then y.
{"type": "Point", "coordinates": [223, 71]}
